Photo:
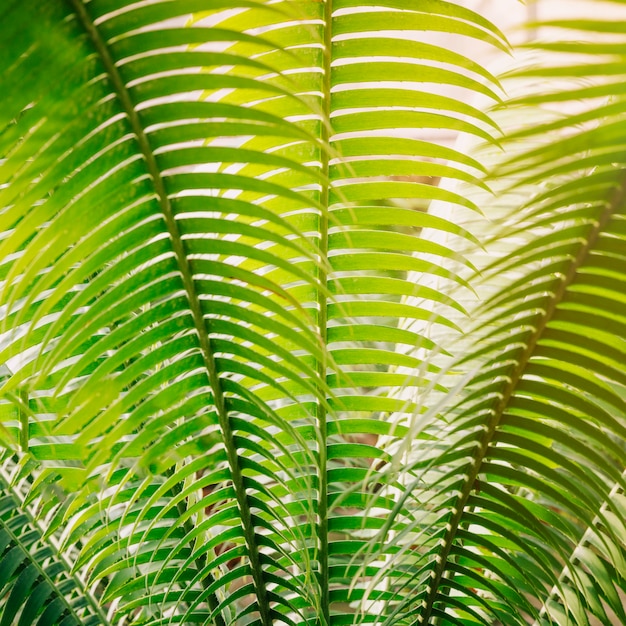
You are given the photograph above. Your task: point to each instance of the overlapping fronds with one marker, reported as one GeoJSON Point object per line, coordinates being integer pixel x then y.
{"type": "Point", "coordinates": [202, 291]}
{"type": "Point", "coordinates": [519, 500]}
{"type": "Point", "coordinates": [247, 377]}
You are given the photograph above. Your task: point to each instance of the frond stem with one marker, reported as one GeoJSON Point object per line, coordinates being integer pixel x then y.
{"type": "Point", "coordinates": [322, 531]}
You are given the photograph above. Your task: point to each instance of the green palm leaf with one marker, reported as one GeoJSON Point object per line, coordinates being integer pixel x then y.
{"type": "Point", "coordinates": [258, 367]}
{"type": "Point", "coordinates": [38, 585]}
{"type": "Point", "coordinates": [524, 483]}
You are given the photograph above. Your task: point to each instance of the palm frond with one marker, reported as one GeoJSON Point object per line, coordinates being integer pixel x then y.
{"type": "Point", "coordinates": [37, 583]}
{"type": "Point", "coordinates": [521, 494]}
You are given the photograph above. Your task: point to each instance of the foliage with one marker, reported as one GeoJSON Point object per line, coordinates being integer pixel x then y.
{"type": "Point", "coordinates": [247, 378]}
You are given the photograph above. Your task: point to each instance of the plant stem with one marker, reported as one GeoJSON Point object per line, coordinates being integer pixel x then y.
{"type": "Point", "coordinates": [324, 580]}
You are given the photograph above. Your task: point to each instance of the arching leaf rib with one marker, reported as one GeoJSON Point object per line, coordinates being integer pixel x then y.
{"type": "Point", "coordinates": [194, 302]}
{"type": "Point", "coordinates": [506, 395]}
{"type": "Point", "coordinates": [322, 303]}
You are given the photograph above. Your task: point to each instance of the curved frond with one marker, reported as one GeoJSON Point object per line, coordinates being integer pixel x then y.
{"type": "Point", "coordinates": [519, 499]}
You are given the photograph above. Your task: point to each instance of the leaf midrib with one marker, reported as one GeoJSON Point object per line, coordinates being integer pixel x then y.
{"type": "Point", "coordinates": [323, 547]}
{"type": "Point", "coordinates": [201, 326]}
